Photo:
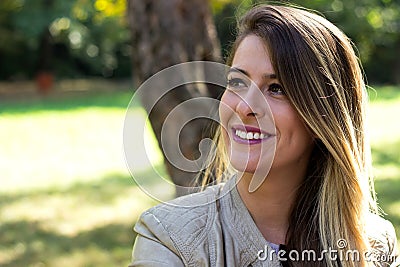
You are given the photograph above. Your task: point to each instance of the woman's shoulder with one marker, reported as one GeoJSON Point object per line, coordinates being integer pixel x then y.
{"type": "Point", "coordinates": [193, 207]}
{"type": "Point", "coordinates": [381, 235]}
{"type": "Point", "coordinates": [183, 223]}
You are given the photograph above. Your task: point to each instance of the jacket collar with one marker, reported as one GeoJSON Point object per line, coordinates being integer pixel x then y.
{"type": "Point", "coordinates": [239, 224]}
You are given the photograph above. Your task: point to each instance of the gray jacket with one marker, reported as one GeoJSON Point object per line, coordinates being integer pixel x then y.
{"type": "Point", "coordinates": [198, 230]}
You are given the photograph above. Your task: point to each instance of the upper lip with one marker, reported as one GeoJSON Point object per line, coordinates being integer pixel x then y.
{"type": "Point", "coordinates": [248, 128]}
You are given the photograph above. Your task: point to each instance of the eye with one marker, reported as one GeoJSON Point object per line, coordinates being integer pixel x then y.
{"type": "Point", "coordinates": [276, 89]}
{"type": "Point", "coordinates": [236, 83]}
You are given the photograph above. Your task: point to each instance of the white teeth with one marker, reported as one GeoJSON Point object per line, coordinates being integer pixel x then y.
{"type": "Point", "coordinates": [249, 135]}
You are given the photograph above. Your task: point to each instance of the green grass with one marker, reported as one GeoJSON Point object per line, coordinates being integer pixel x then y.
{"type": "Point", "coordinates": [67, 198]}
{"type": "Point", "coordinates": [385, 141]}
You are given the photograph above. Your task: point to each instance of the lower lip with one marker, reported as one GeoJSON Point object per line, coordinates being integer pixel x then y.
{"type": "Point", "coordinates": [247, 141]}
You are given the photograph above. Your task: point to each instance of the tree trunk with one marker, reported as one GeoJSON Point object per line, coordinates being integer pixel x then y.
{"type": "Point", "coordinates": [165, 33]}
{"type": "Point", "coordinates": [44, 76]}
{"type": "Point", "coordinates": [396, 69]}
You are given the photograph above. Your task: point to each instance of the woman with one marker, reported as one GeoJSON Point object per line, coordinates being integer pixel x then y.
{"type": "Point", "coordinates": [292, 131]}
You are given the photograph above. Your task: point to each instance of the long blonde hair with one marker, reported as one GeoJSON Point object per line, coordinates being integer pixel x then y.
{"type": "Point", "coordinates": [316, 64]}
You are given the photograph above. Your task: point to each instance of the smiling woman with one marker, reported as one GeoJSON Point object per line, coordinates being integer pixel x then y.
{"type": "Point", "coordinates": [257, 105]}
{"type": "Point", "coordinates": [293, 154]}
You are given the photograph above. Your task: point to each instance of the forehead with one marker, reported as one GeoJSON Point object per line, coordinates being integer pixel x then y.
{"type": "Point", "coordinates": [253, 57]}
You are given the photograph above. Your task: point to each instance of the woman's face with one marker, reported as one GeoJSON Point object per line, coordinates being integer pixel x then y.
{"type": "Point", "coordinates": [261, 127]}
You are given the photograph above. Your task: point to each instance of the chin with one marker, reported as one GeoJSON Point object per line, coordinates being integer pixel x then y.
{"type": "Point", "coordinates": [243, 168]}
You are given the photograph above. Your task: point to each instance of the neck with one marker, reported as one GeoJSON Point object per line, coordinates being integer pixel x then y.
{"type": "Point", "coordinates": [271, 204]}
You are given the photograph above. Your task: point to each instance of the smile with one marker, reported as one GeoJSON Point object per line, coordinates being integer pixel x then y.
{"type": "Point", "coordinates": [249, 135]}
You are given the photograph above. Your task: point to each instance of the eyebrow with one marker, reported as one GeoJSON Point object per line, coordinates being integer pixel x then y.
{"type": "Point", "coordinates": [267, 75]}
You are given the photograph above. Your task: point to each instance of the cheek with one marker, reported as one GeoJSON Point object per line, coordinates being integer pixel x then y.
{"type": "Point", "coordinates": [288, 123]}
{"type": "Point", "coordinates": [227, 107]}
{"type": "Point", "coordinates": [293, 129]}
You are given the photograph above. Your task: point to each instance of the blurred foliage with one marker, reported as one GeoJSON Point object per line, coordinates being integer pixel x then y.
{"type": "Point", "coordinates": [373, 26]}
{"type": "Point", "coordinates": [91, 37]}
{"type": "Point", "coordinates": [88, 37]}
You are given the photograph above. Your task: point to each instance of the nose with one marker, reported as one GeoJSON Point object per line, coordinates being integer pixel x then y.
{"type": "Point", "coordinates": [251, 104]}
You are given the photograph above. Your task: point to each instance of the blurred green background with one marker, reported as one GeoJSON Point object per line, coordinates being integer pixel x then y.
{"type": "Point", "coordinates": [66, 196]}
{"type": "Point", "coordinates": [91, 37]}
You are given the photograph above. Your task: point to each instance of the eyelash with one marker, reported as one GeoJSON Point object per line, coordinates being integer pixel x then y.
{"type": "Point", "coordinates": [233, 84]}
{"type": "Point", "coordinates": [276, 86]}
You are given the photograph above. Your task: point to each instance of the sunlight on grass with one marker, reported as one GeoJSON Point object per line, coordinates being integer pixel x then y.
{"type": "Point", "coordinates": [394, 208]}
{"type": "Point", "coordinates": [384, 124]}
{"type": "Point", "coordinates": [384, 132]}
{"type": "Point", "coordinates": [387, 171]}
{"type": "Point", "coordinates": [58, 148]}
{"type": "Point", "coordinates": [66, 195]}
{"type": "Point", "coordinates": [76, 214]}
